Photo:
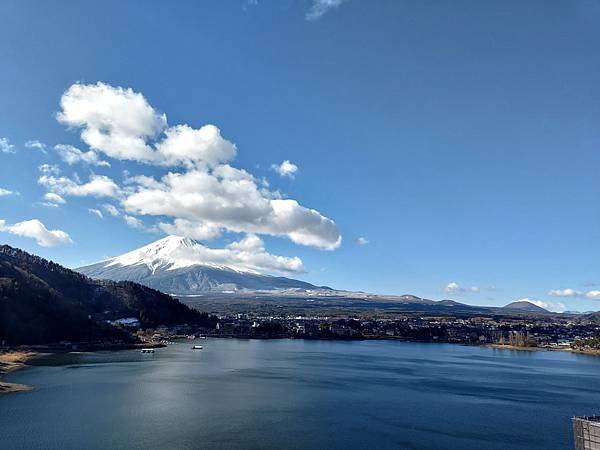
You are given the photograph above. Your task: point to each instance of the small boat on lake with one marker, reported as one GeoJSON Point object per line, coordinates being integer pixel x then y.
{"type": "Point", "coordinates": [197, 347]}
{"type": "Point", "coordinates": [147, 350]}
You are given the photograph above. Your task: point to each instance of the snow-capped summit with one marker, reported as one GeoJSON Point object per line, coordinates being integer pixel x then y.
{"type": "Point", "coordinates": [180, 265]}
{"type": "Point", "coordinates": [169, 253]}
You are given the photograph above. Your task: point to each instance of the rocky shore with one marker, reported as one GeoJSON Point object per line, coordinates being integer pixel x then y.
{"type": "Point", "coordinates": [9, 362]}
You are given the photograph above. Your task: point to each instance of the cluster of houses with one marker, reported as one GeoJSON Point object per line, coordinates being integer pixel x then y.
{"type": "Point", "coordinates": [517, 332]}
{"type": "Point", "coordinates": [514, 332]}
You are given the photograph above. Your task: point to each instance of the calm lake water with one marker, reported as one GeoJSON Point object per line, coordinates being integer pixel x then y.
{"type": "Point", "coordinates": [302, 394]}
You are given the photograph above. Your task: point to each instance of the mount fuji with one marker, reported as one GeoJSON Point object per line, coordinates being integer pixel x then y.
{"type": "Point", "coordinates": [177, 265]}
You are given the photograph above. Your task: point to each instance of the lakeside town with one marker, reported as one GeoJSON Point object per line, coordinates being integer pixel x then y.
{"type": "Point", "coordinates": [551, 333]}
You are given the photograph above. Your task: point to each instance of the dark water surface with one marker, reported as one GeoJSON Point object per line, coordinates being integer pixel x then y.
{"type": "Point", "coordinates": [289, 394]}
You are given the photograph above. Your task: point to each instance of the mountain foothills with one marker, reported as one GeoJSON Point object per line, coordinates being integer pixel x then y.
{"type": "Point", "coordinates": [185, 268]}
{"type": "Point", "coordinates": [178, 265]}
{"type": "Point", "coordinates": [43, 302]}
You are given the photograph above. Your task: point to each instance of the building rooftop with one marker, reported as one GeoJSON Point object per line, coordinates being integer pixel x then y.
{"type": "Point", "coordinates": [593, 419]}
{"type": "Point", "coordinates": [586, 431]}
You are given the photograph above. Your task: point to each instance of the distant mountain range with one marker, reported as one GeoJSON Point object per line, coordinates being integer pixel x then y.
{"type": "Point", "coordinates": [175, 265]}
{"type": "Point", "coordinates": [43, 302]}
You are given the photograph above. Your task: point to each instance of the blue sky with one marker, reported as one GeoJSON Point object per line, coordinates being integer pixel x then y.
{"type": "Point", "coordinates": [460, 140]}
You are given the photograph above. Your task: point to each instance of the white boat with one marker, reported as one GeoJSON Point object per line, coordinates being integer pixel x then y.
{"type": "Point", "coordinates": [147, 350]}
{"type": "Point", "coordinates": [197, 347]}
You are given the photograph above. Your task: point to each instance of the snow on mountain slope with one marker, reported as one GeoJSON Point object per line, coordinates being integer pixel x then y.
{"type": "Point", "coordinates": [171, 252]}
{"type": "Point", "coordinates": [180, 265]}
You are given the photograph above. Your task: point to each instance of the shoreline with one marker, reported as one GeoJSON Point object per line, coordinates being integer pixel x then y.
{"type": "Point", "coordinates": [589, 352]}
{"type": "Point", "coordinates": [15, 359]}
{"type": "Point", "coordinates": [11, 361]}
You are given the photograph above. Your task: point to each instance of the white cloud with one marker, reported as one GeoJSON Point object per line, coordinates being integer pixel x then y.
{"type": "Point", "coordinates": [35, 144]}
{"type": "Point", "coordinates": [594, 295]}
{"type": "Point", "coordinates": [6, 146]}
{"type": "Point", "coordinates": [228, 198]}
{"type": "Point", "coordinates": [209, 196]}
{"type": "Point", "coordinates": [141, 180]}
{"type": "Point", "coordinates": [550, 306]}
{"type": "Point", "coordinates": [121, 123]}
{"type": "Point", "coordinates": [285, 169]}
{"type": "Point", "coordinates": [97, 186]}
{"type": "Point", "coordinates": [96, 212]}
{"type": "Point", "coordinates": [455, 288]}
{"type": "Point", "coordinates": [54, 198]}
{"type": "Point", "coordinates": [4, 192]}
{"type": "Point", "coordinates": [565, 293]}
{"type": "Point", "coordinates": [133, 222]}
{"type": "Point", "coordinates": [452, 287]}
{"type": "Point", "coordinates": [111, 209]}
{"type": "Point", "coordinates": [37, 230]}
{"type": "Point", "coordinates": [186, 146]}
{"type": "Point", "coordinates": [72, 155]}
{"type": "Point", "coordinates": [194, 230]}
{"type": "Point", "coordinates": [320, 7]}
{"type": "Point", "coordinates": [249, 253]}
{"type": "Point", "coordinates": [49, 169]}
{"type": "Point", "coordinates": [361, 240]}
{"type": "Point", "coordinates": [114, 120]}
